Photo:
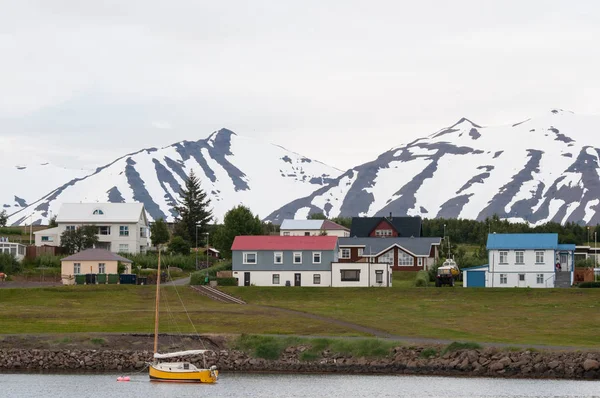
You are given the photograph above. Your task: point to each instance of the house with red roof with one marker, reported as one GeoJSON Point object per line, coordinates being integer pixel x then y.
{"type": "Point", "coordinates": [300, 261]}
{"type": "Point", "coordinates": [291, 227]}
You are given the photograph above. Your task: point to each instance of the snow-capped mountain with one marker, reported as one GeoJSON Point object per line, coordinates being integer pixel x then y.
{"type": "Point", "coordinates": [538, 170]}
{"type": "Point", "coordinates": [232, 170]}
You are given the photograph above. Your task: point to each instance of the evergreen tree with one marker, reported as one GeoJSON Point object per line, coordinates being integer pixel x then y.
{"type": "Point", "coordinates": [3, 218]}
{"type": "Point", "coordinates": [192, 211]}
{"type": "Point", "coordinates": [238, 221]}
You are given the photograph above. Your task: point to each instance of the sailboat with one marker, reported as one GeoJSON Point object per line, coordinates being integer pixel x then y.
{"type": "Point", "coordinates": [177, 371]}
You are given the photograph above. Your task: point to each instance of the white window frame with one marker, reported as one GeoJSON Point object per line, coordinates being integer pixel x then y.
{"type": "Point", "coordinates": [276, 279]}
{"type": "Point", "coordinates": [403, 257]}
{"type": "Point", "coordinates": [420, 261]}
{"type": "Point", "coordinates": [313, 257]}
{"type": "Point", "coordinates": [286, 233]}
{"type": "Point", "coordinates": [123, 230]}
{"type": "Point", "coordinates": [245, 258]}
{"type": "Point", "coordinates": [107, 227]}
{"type": "Point", "coordinates": [102, 268]}
{"type": "Point", "coordinates": [360, 251]}
{"type": "Point", "coordinates": [294, 257]}
{"type": "Point", "coordinates": [316, 279]}
{"type": "Point", "coordinates": [345, 250]}
{"type": "Point", "coordinates": [280, 254]}
{"type": "Point", "coordinates": [539, 255]}
{"type": "Point", "coordinates": [522, 278]}
{"type": "Point", "coordinates": [383, 232]}
{"type": "Point", "coordinates": [517, 253]}
{"type": "Point", "coordinates": [76, 268]}
{"type": "Point", "coordinates": [70, 228]}
{"type": "Point", "coordinates": [503, 279]}
{"type": "Point", "coordinates": [389, 255]}
{"type": "Point", "coordinates": [357, 271]}
{"type": "Point", "coordinates": [502, 255]}
{"type": "Point", "coordinates": [123, 248]}
{"type": "Point", "coordinates": [539, 278]}
{"type": "Point", "coordinates": [378, 276]}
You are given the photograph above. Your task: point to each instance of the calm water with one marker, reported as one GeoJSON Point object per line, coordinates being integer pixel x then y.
{"type": "Point", "coordinates": [244, 385]}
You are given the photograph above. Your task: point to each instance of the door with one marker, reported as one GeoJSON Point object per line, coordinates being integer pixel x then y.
{"type": "Point", "coordinates": [563, 262]}
{"type": "Point", "coordinates": [297, 279]}
{"type": "Point", "coordinates": [475, 278]}
{"type": "Point", "coordinates": [246, 278]}
{"type": "Point", "coordinates": [522, 280]}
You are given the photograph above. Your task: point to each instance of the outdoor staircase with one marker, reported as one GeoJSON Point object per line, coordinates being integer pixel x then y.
{"type": "Point", "coordinates": [562, 279]}
{"type": "Point", "coordinates": [217, 295]}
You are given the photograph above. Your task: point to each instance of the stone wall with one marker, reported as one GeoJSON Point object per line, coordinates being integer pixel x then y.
{"type": "Point", "coordinates": [487, 362]}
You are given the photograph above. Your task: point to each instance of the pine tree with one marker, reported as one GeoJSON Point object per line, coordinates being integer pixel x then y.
{"type": "Point", "coordinates": [192, 211]}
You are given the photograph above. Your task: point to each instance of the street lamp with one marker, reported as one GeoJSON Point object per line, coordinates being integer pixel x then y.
{"type": "Point", "coordinates": [444, 238]}
{"type": "Point", "coordinates": [207, 264]}
{"type": "Point", "coordinates": [196, 228]}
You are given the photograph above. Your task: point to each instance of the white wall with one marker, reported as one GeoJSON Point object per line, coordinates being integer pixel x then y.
{"type": "Point", "coordinates": [529, 262]}
{"type": "Point", "coordinates": [365, 279]}
{"type": "Point", "coordinates": [512, 279]}
{"type": "Point", "coordinates": [265, 278]}
{"type": "Point", "coordinates": [315, 232]}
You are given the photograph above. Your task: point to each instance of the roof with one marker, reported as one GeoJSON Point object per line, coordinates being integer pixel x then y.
{"type": "Point", "coordinates": [404, 226]}
{"type": "Point", "coordinates": [332, 226]}
{"type": "Point", "coordinates": [107, 212]}
{"type": "Point", "coordinates": [477, 267]}
{"type": "Point", "coordinates": [522, 241]}
{"type": "Point", "coordinates": [47, 231]}
{"type": "Point", "coordinates": [271, 242]}
{"type": "Point", "coordinates": [96, 255]}
{"type": "Point", "coordinates": [374, 246]}
{"type": "Point", "coordinates": [289, 224]}
{"type": "Point", "coordinates": [566, 246]}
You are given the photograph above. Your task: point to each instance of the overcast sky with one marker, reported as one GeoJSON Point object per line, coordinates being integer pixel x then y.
{"type": "Point", "coordinates": [340, 81]}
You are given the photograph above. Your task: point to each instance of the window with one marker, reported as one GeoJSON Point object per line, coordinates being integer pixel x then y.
{"type": "Point", "coordinates": [249, 258]}
{"type": "Point", "coordinates": [297, 258]}
{"type": "Point", "coordinates": [420, 262]}
{"type": "Point", "coordinates": [539, 278]}
{"type": "Point", "coordinates": [98, 212]}
{"type": "Point", "coordinates": [360, 251]}
{"type": "Point", "coordinates": [383, 232]}
{"type": "Point", "coordinates": [521, 277]}
{"type": "Point", "coordinates": [102, 268]}
{"type": "Point", "coordinates": [76, 268]}
{"type": "Point", "coordinates": [316, 257]}
{"type": "Point", "coordinates": [503, 280]}
{"type": "Point", "coordinates": [386, 258]}
{"type": "Point", "coordinates": [278, 258]}
{"type": "Point", "coordinates": [405, 259]}
{"type": "Point", "coordinates": [350, 275]}
{"type": "Point", "coordinates": [378, 276]}
{"type": "Point", "coordinates": [503, 257]}
{"type": "Point", "coordinates": [286, 234]}
{"type": "Point", "coordinates": [316, 279]}
{"type": "Point", "coordinates": [539, 257]}
{"type": "Point", "coordinates": [46, 239]}
{"type": "Point", "coordinates": [307, 234]}
{"type": "Point", "coordinates": [104, 230]}
{"type": "Point", "coordinates": [345, 253]}
{"type": "Point", "coordinates": [276, 279]}
{"type": "Point", "coordinates": [123, 230]}
{"type": "Point", "coordinates": [143, 232]}
{"type": "Point", "coordinates": [519, 258]}
{"type": "Point", "coordinates": [123, 248]}
{"type": "Point", "coordinates": [70, 227]}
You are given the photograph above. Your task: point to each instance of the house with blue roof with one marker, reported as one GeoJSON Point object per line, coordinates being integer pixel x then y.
{"type": "Point", "coordinates": [524, 260]}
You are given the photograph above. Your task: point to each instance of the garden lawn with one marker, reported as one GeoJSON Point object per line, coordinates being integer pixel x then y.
{"type": "Point", "coordinates": [558, 317]}
{"type": "Point", "coordinates": [123, 308]}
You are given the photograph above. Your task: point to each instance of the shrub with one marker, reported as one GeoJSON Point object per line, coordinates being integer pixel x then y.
{"type": "Point", "coordinates": [9, 264]}
{"type": "Point", "coordinates": [428, 352]}
{"type": "Point", "coordinates": [589, 284]}
{"type": "Point", "coordinates": [456, 346]}
{"type": "Point", "coordinates": [585, 263]}
{"type": "Point", "coordinates": [179, 246]}
{"type": "Point", "coordinates": [44, 260]}
{"type": "Point", "coordinates": [422, 279]}
{"type": "Point", "coordinates": [227, 281]}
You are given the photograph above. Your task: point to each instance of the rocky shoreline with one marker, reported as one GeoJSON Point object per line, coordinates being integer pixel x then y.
{"type": "Point", "coordinates": [487, 362]}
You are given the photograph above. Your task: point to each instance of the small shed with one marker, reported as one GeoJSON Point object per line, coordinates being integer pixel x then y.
{"type": "Point", "coordinates": [91, 261]}
{"type": "Point", "coordinates": [475, 276]}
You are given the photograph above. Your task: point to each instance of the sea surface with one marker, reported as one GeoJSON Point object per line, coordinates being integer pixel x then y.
{"type": "Point", "coordinates": [271, 385]}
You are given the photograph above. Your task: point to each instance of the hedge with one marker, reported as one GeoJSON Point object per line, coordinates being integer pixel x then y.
{"type": "Point", "coordinates": [227, 281]}
{"type": "Point", "coordinates": [589, 284]}
{"type": "Point", "coordinates": [422, 279]}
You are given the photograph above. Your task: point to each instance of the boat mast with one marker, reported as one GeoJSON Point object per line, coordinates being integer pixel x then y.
{"type": "Point", "coordinates": [157, 301]}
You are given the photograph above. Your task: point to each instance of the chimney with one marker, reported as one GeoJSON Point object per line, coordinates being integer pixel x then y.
{"type": "Point", "coordinates": [391, 218]}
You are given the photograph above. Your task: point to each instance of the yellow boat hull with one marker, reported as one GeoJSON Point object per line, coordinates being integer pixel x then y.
{"type": "Point", "coordinates": [195, 376]}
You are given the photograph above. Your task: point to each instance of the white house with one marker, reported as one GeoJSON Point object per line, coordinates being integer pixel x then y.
{"type": "Point", "coordinates": [524, 260]}
{"type": "Point", "coordinates": [312, 228]}
{"type": "Point", "coordinates": [122, 227]}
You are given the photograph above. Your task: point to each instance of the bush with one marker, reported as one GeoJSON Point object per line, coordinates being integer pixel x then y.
{"type": "Point", "coordinates": [585, 263]}
{"type": "Point", "coordinates": [150, 260]}
{"type": "Point", "coordinates": [456, 346]}
{"type": "Point", "coordinates": [179, 246]}
{"type": "Point", "coordinates": [589, 284]}
{"type": "Point", "coordinates": [9, 264]}
{"type": "Point", "coordinates": [44, 260]}
{"type": "Point", "coordinates": [422, 279]}
{"type": "Point", "coordinates": [227, 281]}
{"type": "Point", "coordinates": [428, 353]}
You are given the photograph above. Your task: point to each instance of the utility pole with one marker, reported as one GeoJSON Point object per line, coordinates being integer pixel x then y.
{"type": "Point", "coordinates": [207, 247]}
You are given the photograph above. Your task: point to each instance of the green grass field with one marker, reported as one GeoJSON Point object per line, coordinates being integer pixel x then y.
{"type": "Point", "coordinates": [560, 317]}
